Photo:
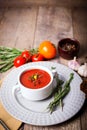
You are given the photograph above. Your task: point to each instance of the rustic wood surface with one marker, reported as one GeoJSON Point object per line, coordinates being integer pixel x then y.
{"type": "Point", "coordinates": [28, 27]}
{"type": "Point", "coordinates": [26, 3]}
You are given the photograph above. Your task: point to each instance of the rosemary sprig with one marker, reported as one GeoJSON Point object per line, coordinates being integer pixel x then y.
{"type": "Point", "coordinates": [60, 94]}
{"type": "Point", "coordinates": [7, 56]}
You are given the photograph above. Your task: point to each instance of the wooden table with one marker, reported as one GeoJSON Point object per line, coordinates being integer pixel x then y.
{"type": "Point", "coordinates": [26, 28]}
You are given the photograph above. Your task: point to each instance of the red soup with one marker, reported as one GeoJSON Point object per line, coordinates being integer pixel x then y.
{"type": "Point", "coordinates": [35, 78]}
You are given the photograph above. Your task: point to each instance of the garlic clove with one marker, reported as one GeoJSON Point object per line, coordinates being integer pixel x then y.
{"type": "Point", "coordinates": [83, 70]}
{"type": "Point", "coordinates": [73, 64]}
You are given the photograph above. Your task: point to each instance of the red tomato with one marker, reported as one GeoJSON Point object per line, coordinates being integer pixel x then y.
{"type": "Point", "coordinates": [18, 61]}
{"type": "Point", "coordinates": [37, 57]}
{"type": "Point", "coordinates": [26, 55]}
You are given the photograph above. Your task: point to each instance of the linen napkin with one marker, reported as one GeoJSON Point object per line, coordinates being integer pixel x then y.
{"type": "Point", "coordinates": [11, 122]}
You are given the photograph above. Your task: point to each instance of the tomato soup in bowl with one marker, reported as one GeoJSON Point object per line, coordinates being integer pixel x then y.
{"type": "Point", "coordinates": [35, 82]}
{"type": "Point", "coordinates": [35, 78]}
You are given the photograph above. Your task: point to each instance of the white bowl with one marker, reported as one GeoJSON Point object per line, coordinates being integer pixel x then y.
{"type": "Point", "coordinates": [36, 94]}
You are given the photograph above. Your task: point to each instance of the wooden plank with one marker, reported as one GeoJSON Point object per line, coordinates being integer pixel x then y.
{"type": "Point", "coordinates": [80, 32]}
{"type": "Point", "coordinates": [26, 28]}
{"type": "Point", "coordinates": [26, 3]}
{"type": "Point", "coordinates": [1, 14]}
{"type": "Point", "coordinates": [18, 27]}
{"type": "Point", "coordinates": [55, 127]}
{"type": "Point", "coordinates": [84, 116]}
{"type": "Point", "coordinates": [8, 27]}
{"type": "Point", "coordinates": [53, 24]}
{"type": "Point", "coordinates": [73, 124]}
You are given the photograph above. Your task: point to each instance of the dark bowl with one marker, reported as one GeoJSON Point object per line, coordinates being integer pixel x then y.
{"type": "Point", "coordinates": [68, 48]}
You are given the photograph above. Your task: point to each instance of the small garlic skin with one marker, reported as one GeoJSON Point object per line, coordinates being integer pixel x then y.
{"type": "Point", "coordinates": [73, 64]}
{"type": "Point", "coordinates": [83, 70]}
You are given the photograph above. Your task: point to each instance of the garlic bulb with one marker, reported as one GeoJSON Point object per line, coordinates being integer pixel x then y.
{"type": "Point", "coordinates": [73, 64]}
{"type": "Point", "coordinates": [83, 70]}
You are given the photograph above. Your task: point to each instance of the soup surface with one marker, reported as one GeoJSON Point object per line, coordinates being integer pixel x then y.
{"type": "Point", "coordinates": [35, 78]}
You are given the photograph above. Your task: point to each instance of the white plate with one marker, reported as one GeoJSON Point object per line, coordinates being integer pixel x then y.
{"type": "Point", "coordinates": [35, 113]}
